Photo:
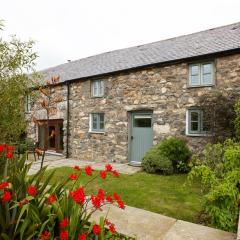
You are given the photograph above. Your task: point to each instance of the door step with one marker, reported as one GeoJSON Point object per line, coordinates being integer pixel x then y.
{"type": "Point", "coordinates": [135, 164]}
{"type": "Point", "coordinates": [53, 153]}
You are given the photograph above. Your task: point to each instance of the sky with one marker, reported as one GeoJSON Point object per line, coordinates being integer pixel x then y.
{"type": "Point", "coordinates": [72, 29]}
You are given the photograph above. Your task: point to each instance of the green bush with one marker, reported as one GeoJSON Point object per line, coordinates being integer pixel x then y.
{"type": "Point", "coordinates": [176, 151]}
{"type": "Point", "coordinates": [155, 162]}
{"type": "Point", "coordinates": [170, 155]}
{"type": "Point", "coordinates": [219, 173]}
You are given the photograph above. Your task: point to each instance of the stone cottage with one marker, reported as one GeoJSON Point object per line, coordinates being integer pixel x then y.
{"type": "Point", "coordinates": [116, 105]}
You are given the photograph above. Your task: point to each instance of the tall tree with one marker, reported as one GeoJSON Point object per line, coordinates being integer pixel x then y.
{"type": "Point", "coordinates": [16, 61]}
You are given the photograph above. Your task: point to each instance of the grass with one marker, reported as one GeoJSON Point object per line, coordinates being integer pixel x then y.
{"type": "Point", "coordinates": [167, 195]}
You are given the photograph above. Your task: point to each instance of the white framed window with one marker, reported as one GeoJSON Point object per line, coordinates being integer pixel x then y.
{"type": "Point", "coordinates": [97, 88]}
{"type": "Point", "coordinates": [28, 103]}
{"type": "Point", "coordinates": [196, 124]}
{"type": "Point", "coordinates": [97, 123]}
{"type": "Point", "coordinates": [201, 74]}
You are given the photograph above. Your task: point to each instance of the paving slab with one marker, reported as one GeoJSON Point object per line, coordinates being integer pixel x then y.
{"type": "Point", "coordinates": [182, 230]}
{"type": "Point", "coordinates": [145, 225]}
{"type": "Point", "coordinates": [53, 161]}
{"type": "Point", "coordinates": [139, 223]}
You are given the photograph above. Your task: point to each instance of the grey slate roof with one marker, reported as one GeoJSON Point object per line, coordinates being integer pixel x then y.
{"type": "Point", "coordinates": [201, 43]}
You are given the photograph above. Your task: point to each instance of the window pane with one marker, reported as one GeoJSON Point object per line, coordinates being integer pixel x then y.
{"type": "Point", "coordinates": [195, 80]}
{"type": "Point", "coordinates": [194, 116]}
{"type": "Point", "coordinates": [207, 78]}
{"type": "Point", "coordinates": [207, 68]}
{"type": "Point", "coordinates": [94, 125]}
{"type": "Point", "coordinates": [101, 87]}
{"type": "Point", "coordinates": [194, 126]}
{"type": "Point", "coordinates": [95, 88]}
{"type": "Point", "coordinates": [97, 121]}
{"type": "Point", "coordinates": [52, 137]}
{"type": "Point", "coordinates": [101, 118]}
{"type": "Point", "coordinates": [143, 122]}
{"type": "Point", "coordinates": [101, 125]}
{"type": "Point", "coordinates": [194, 70]}
{"type": "Point", "coordinates": [94, 121]}
{"type": "Point", "coordinates": [28, 103]}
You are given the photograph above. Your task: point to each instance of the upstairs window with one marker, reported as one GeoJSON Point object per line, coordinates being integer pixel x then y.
{"type": "Point", "coordinates": [196, 124]}
{"type": "Point", "coordinates": [97, 88]}
{"type": "Point", "coordinates": [201, 74]}
{"type": "Point", "coordinates": [97, 122]}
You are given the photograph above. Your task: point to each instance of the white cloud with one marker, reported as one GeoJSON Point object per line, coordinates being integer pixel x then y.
{"type": "Point", "coordinates": [75, 28]}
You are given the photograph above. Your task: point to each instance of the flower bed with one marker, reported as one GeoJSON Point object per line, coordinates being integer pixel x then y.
{"type": "Point", "coordinates": [32, 209]}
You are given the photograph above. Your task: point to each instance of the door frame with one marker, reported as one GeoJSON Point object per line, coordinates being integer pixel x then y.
{"type": "Point", "coordinates": [130, 124]}
{"type": "Point", "coordinates": [52, 122]}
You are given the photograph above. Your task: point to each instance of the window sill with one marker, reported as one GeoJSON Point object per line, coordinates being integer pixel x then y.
{"type": "Point", "coordinates": [199, 134]}
{"type": "Point", "coordinates": [96, 132]}
{"type": "Point", "coordinates": [97, 96]}
{"type": "Point", "coordinates": [200, 86]}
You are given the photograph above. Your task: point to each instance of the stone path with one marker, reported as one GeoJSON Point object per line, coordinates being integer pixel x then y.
{"type": "Point", "coordinates": [53, 161]}
{"type": "Point", "coordinates": [143, 225]}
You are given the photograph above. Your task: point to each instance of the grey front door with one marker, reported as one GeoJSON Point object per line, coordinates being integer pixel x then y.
{"type": "Point", "coordinates": [141, 135]}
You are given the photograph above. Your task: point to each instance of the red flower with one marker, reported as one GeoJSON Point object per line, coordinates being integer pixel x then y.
{"type": "Point", "coordinates": [103, 174]}
{"type": "Point", "coordinates": [78, 195]}
{"type": "Point", "coordinates": [64, 223]}
{"type": "Point", "coordinates": [82, 236]}
{"type": "Point", "coordinates": [31, 190]}
{"type": "Point", "coordinates": [108, 167]}
{"type": "Point", "coordinates": [112, 228]}
{"type": "Point", "coordinates": [52, 198]}
{"type": "Point", "coordinates": [116, 196]}
{"type": "Point", "coordinates": [10, 148]}
{"type": "Point", "coordinates": [96, 229]}
{"type": "Point", "coordinates": [2, 147]}
{"type": "Point", "coordinates": [115, 173]}
{"type": "Point", "coordinates": [100, 194]}
{"type": "Point", "coordinates": [64, 235]}
{"type": "Point", "coordinates": [4, 185]}
{"type": "Point", "coordinates": [88, 170]}
{"type": "Point", "coordinates": [96, 201]}
{"type": "Point", "coordinates": [73, 176]}
{"type": "Point", "coordinates": [7, 196]}
{"type": "Point", "coordinates": [77, 168]}
{"type": "Point", "coordinates": [109, 199]}
{"type": "Point", "coordinates": [121, 204]}
{"type": "Point", "coordinates": [45, 235]}
{"type": "Point", "coordinates": [9, 155]}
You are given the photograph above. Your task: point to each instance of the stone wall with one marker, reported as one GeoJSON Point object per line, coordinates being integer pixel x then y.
{"type": "Point", "coordinates": [163, 90]}
{"type": "Point", "coordinates": [39, 113]}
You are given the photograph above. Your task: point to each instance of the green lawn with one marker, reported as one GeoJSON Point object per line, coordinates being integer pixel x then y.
{"type": "Point", "coordinates": [167, 195]}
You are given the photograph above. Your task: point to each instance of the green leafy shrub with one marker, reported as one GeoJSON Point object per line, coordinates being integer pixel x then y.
{"type": "Point", "coordinates": [155, 162]}
{"type": "Point", "coordinates": [219, 172]}
{"type": "Point", "coordinates": [170, 155]}
{"type": "Point", "coordinates": [183, 167]}
{"type": "Point", "coordinates": [176, 150]}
